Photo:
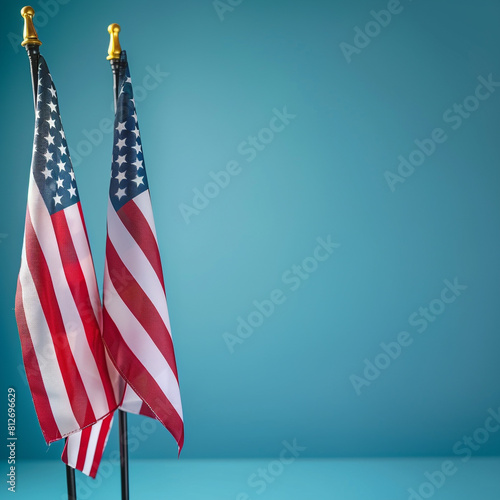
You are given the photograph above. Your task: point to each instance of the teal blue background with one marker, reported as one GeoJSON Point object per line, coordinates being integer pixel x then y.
{"type": "Point", "coordinates": [322, 175]}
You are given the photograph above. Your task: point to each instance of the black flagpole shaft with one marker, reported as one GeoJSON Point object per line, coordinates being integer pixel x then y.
{"type": "Point", "coordinates": [70, 479]}
{"type": "Point", "coordinates": [115, 68]}
{"type": "Point", "coordinates": [122, 416]}
{"type": "Point", "coordinates": [122, 429]}
{"type": "Point", "coordinates": [33, 54]}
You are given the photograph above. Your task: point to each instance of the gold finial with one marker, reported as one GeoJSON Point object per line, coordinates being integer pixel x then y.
{"type": "Point", "coordinates": [29, 32]}
{"type": "Point", "coordinates": [114, 49]}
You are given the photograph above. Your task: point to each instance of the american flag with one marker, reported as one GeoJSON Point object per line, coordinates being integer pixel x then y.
{"type": "Point", "coordinates": [58, 310]}
{"type": "Point", "coordinates": [84, 449]}
{"type": "Point", "coordinates": [136, 326]}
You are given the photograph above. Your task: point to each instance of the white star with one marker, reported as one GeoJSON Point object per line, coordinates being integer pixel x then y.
{"type": "Point", "coordinates": [138, 180]}
{"type": "Point", "coordinates": [48, 156]}
{"type": "Point", "coordinates": [47, 173]}
{"type": "Point", "coordinates": [138, 164]}
{"type": "Point", "coordinates": [133, 100]}
{"type": "Point", "coordinates": [120, 177]}
{"type": "Point", "coordinates": [136, 132]}
{"type": "Point", "coordinates": [62, 149]}
{"type": "Point", "coordinates": [50, 138]}
{"type": "Point", "coordinates": [61, 165]}
{"type": "Point", "coordinates": [37, 113]}
{"type": "Point", "coordinates": [57, 199]}
{"type": "Point", "coordinates": [121, 143]}
{"type": "Point", "coordinates": [52, 106]}
{"type": "Point", "coordinates": [52, 123]}
{"type": "Point", "coordinates": [120, 160]}
{"type": "Point", "coordinates": [72, 175]}
{"type": "Point", "coordinates": [120, 193]}
{"type": "Point", "coordinates": [52, 90]}
{"type": "Point", "coordinates": [72, 192]}
{"type": "Point", "coordinates": [134, 116]}
{"type": "Point", "coordinates": [59, 182]}
{"type": "Point", "coordinates": [62, 134]}
{"type": "Point", "coordinates": [137, 148]}
{"type": "Point", "coordinates": [128, 80]}
{"type": "Point", "coordinates": [121, 127]}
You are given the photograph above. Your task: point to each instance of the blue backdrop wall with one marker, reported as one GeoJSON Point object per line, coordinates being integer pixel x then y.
{"type": "Point", "coordinates": [338, 285]}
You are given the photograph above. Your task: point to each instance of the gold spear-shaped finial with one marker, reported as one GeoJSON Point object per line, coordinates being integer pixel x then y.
{"type": "Point", "coordinates": [29, 32]}
{"type": "Point", "coordinates": [114, 49]}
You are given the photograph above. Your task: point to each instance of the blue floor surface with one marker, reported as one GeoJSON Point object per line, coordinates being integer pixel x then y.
{"type": "Point", "coordinates": [270, 479]}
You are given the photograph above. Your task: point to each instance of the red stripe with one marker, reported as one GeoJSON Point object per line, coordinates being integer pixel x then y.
{"type": "Point", "coordinates": [83, 448]}
{"type": "Point", "coordinates": [141, 381]}
{"type": "Point", "coordinates": [101, 441]}
{"type": "Point", "coordinates": [146, 411]}
{"type": "Point", "coordinates": [137, 225]}
{"type": "Point", "coordinates": [42, 406]}
{"type": "Point", "coordinates": [83, 223]}
{"type": "Point", "coordinates": [42, 280]}
{"type": "Point", "coordinates": [140, 305]}
{"type": "Point", "coordinates": [80, 293]}
{"type": "Point", "coordinates": [64, 456]}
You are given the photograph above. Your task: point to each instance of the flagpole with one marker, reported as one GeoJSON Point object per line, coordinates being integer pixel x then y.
{"type": "Point", "coordinates": [114, 51]}
{"type": "Point", "coordinates": [32, 45]}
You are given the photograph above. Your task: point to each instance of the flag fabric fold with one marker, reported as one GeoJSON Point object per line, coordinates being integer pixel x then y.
{"type": "Point", "coordinates": [83, 450]}
{"type": "Point", "coordinates": [136, 325]}
{"type": "Point", "coordinates": [58, 310]}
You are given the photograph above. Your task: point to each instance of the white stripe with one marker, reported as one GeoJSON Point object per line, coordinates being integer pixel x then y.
{"type": "Point", "coordinates": [140, 343]}
{"type": "Point", "coordinates": [91, 447]}
{"type": "Point", "coordinates": [82, 250]}
{"type": "Point", "coordinates": [143, 201]}
{"type": "Point", "coordinates": [45, 352]}
{"type": "Point", "coordinates": [131, 401]}
{"type": "Point", "coordinates": [75, 332]}
{"type": "Point", "coordinates": [137, 264]}
{"type": "Point", "coordinates": [73, 448]}
{"type": "Point", "coordinates": [116, 379]}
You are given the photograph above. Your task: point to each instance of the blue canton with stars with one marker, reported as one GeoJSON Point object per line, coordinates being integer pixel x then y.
{"type": "Point", "coordinates": [51, 163]}
{"type": "Point", "coordinates": [128, 175]}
